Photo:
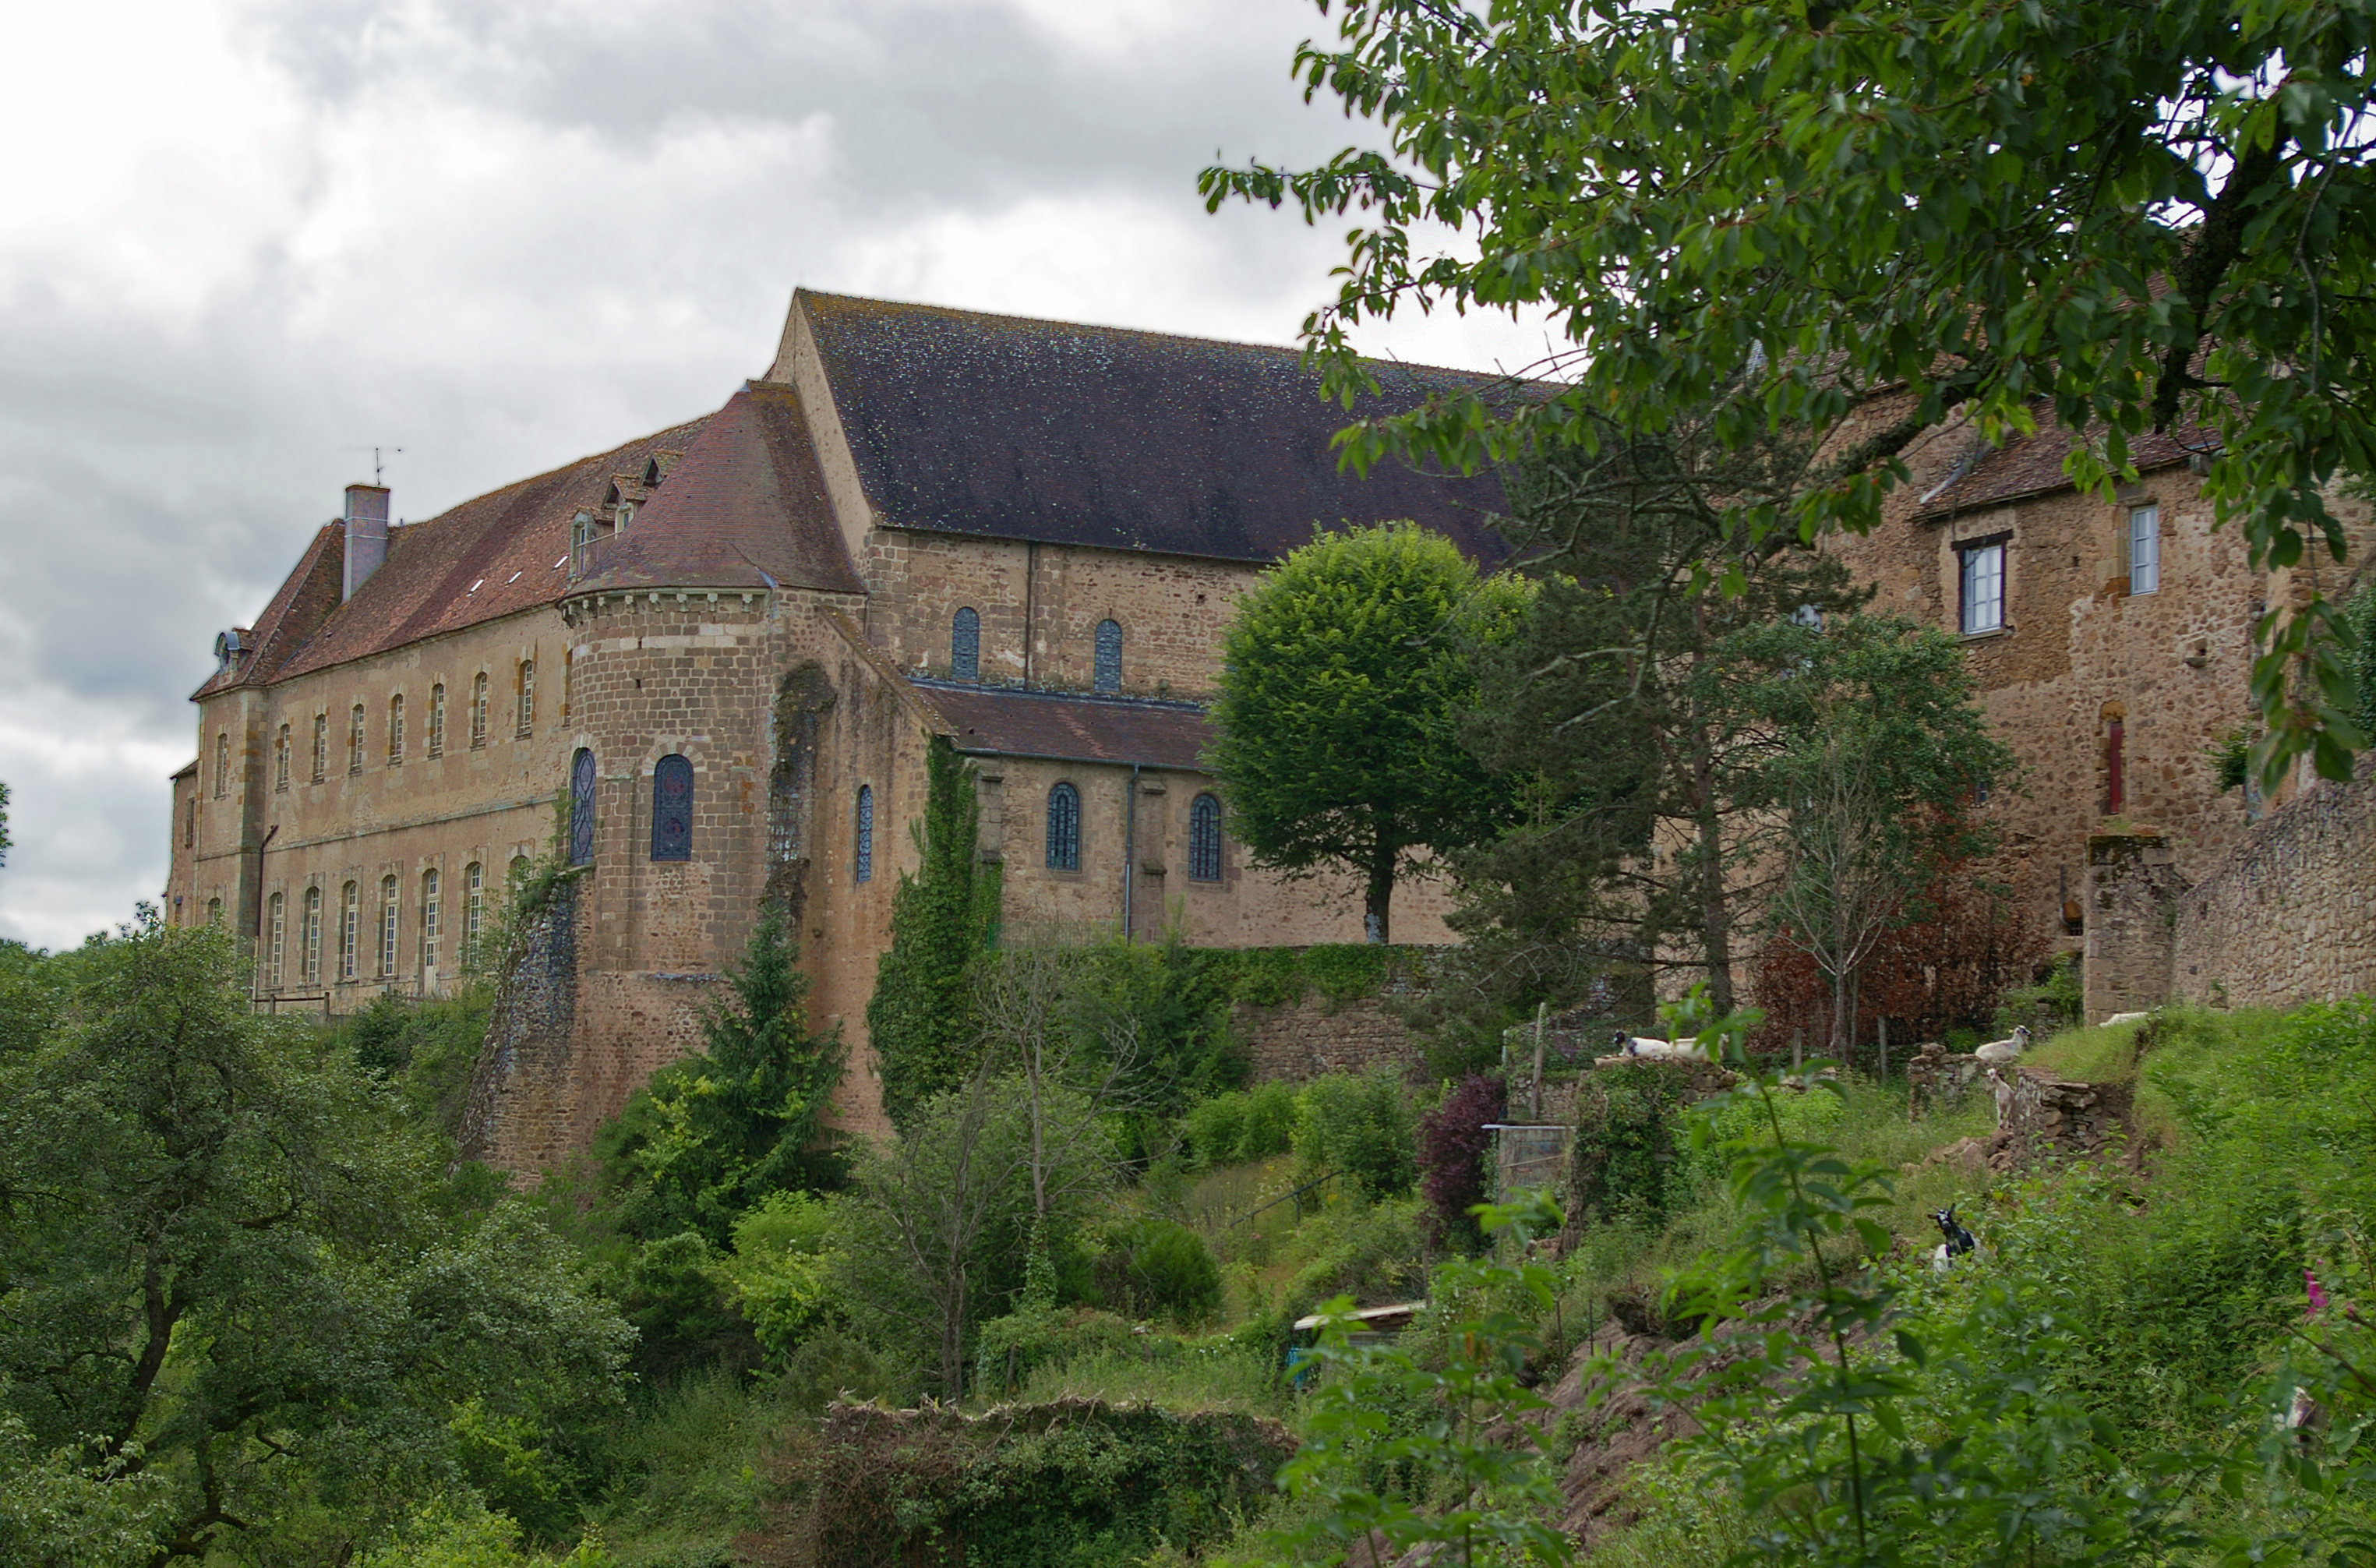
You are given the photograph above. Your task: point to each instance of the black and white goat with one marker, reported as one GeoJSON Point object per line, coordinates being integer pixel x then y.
{"type": "Point", "coordinates": [1624, 1044]}
{"type": "Point", "coordinates": [1959, 1240]}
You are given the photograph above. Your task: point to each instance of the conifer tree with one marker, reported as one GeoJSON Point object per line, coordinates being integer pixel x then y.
{"type": "Point", "coordinates": [712, 1135]}
{"type": "Point", "coordinates": [922, 1020]}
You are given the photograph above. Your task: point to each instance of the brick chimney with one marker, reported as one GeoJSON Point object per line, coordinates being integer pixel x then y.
{"type": "Point", "coordinates": [366, 522]}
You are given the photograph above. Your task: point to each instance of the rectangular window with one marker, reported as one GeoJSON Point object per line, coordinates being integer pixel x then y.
{"type": "Point", "coordinates": [281, 763]}
{"type": "Point", "coordinates": [1983, 591]}
{"type": "Point", "coordinates": [428, 921]}
{"type": "Point", "coordinates": [526, 725]}
{"type": "Point", "coordinates": [350, 922]}
{"type": "Point", "coordinates": [479, 711]}
{"type": "Point", "coordinates": [276, 933]}
{"type": "Point", "coordinates": [355, 739]}
{"type": "Point", "coordinates": [321, 745]}
{"type": "Point", "coordinates": [474, 909]}
{"type": "Point", "coordinates": [396, 728]}
{"type": "Point", "coordinates": [437, 719]}
{"type": "Point", "coordinates": [222, 764]}
{"type": "Point", "coordinates": [2144, 549]}
{"type": "Point", "coordinates": [387, 908]}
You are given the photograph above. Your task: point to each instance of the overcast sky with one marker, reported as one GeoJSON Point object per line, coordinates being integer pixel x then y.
{"type": "Point", "coordinates": [243, 242]}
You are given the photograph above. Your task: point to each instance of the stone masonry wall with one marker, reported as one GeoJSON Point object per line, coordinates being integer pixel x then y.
{"type": "Point", "coordinates": [1305, 1039]}
{"type": "Point", "coordinates": [2288, 915]}
{"type": "Point", "coordinates": [2132, 886]}
{"type": "Point", "coordinates": [2051, 1118]}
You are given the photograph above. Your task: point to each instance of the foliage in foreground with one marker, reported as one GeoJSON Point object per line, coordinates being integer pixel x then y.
{"type": "Point", "coordinates": [2132, 219]}
{"type": "Point", "coordinates": [246, 1304]}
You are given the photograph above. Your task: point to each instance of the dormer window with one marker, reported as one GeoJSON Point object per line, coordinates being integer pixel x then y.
{"type": "Point", "coordinates": [626, 515]}
{"type": "Point", "coordinates": [652, 474]}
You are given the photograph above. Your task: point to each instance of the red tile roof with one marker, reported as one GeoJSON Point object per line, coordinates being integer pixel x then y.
{"type": "Point", "coordinates": [1012, 428]}
{"type": "Point", "coordinates": [305, 599]}
{"type": "Point", "coordinates": [1009, 721]}
{"type": "Point", "coordinates": [2032, 464]}
{"type": "Point", "coordinates": [746, 507]}
{"type": "Point", "coordinates": [502, 553]}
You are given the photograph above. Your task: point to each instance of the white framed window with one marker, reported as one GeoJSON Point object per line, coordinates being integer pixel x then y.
{"type": "Point", "coordinates": [429, 913]}
{"type": "Point", "coordinates": [2144, 549]}
{"type": "Point", "coordinates": [276, 933]}
{"type": "Point", "coordinates": [387, 908]}
{"type": "Point", "coordinates": [1983, 588]}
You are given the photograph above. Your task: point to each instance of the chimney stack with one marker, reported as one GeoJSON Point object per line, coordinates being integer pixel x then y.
{"type": "Point", "coordinates": [366, 522]}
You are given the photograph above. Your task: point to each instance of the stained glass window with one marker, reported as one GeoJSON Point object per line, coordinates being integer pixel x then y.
{"type": "Point", "coordinates": [581, 809]}
{"type": "Point", "coordinates": [1108, 672]}
{"type": "Point", "coordinates": [1205, 840]}
{"type": "Point", "coordinates": [673, 809]}
{"type": "Point", "coordinates": [965, 646]}
{"type": "Point", "coordinates": [1064, 828]}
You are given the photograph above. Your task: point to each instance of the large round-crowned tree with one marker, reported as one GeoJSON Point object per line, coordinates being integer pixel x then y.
{"type": "Point", "coordinates": [1344, 680]}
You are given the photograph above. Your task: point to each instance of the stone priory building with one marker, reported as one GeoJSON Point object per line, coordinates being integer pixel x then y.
{"type": "Point", "coordinates": [708, 665]}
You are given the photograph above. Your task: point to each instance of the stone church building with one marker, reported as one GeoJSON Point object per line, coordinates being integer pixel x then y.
{"type": "Point", "coordinates": [711, 660]}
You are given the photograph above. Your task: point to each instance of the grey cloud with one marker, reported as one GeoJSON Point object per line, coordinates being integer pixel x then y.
{"type": "Point", "coordinates": [955, 102]}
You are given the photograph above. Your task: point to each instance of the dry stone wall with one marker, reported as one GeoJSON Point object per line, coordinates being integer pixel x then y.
{"type": "Point", "coordinates": [2288, 915]}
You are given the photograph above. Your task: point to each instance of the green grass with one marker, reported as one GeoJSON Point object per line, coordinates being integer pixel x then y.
{"type": "Point", "coordinates": [1214, 1375]}
{"type": "Point", "coordinates": [683, 1469]}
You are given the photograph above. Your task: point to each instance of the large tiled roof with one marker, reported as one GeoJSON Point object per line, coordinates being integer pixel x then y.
{"type": "Point", "coordinates": [505, 551]}
{"type": "Point", "coordinates": [745, 507]}
{"type": "Point", "coordinates": [307, 599]}
{"type": "Point", "coordinates": [2032, 464]}
{"type": "Point", "coordinates": [1037, 430]}
{"type": "Point", "coordinates": [1008, 721]}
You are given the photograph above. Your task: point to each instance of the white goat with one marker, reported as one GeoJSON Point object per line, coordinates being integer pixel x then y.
{"type": "Point", "coordinates": [2004, 1087]}
{"type": "Point", "coordinates": [2005, 1049]}
{"type": "Point", "coordinates": [2126, 1019]}
{"type": "Point", "coordinates": [1624, 1044]}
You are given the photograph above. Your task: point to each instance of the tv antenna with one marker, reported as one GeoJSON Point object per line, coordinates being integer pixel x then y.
{"type": "Point", "coordinates": [378, 464]}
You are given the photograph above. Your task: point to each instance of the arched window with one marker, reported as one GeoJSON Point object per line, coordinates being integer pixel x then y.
{"type": "Point", "coordinates": [1064, 828]}
{"type": "Point", "coordinates": [437, 719]}
{"type": "Point", "coordinates": [474, 912]}
{"type": "Point", "coordinates": [351, 913]}
{"type": "Point", "coordinates": [321, 746]}
{"type": "Point", "coordinates": [1205, 840]}
{"type": "Point", "coordinates": [309, 938]}
{"type": "Point", "coordinates": [965, 646]}
{"type": "Point", "coordinates": [479, 710]}
{"type": "Point", "coordinates": [673, 809]}
{"type": "Point", "coordinates": [222, 764]}
{"type": "Point", "coordinates": [396, 728]}
{"type": "Point", "coordinates": [387, 908]}
{"type": "Point", "coordinates": [516, 874]}
{"type": "Point", "coordinates": [276, 934]}
{"type": "Point", "coordinates": [355, 739]}
{"type": "Point", "coordinates": [1108, 672]}
{"type": "Point", "coordinates": [526, 725]}
{"type": "Point", "coordinates": [280, 762]}
{"type": "Point", "coordinates": [862, 863]}
{"type": "Point", "coordinates": [581, 808]}
{"type": "Point", "coordinates": [429, 913]}
{"type": "Point", "coordinates": [214, 911]}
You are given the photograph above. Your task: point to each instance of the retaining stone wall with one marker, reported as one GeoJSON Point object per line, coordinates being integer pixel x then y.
{"type": "Point", "coordinates": [2288, 915]}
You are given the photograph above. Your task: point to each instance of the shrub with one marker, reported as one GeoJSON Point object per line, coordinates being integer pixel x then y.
{"type": "Point", "coordinates": [1241, 1124]}
{"type": "Point", "coordinates": [2056, 1000]}
{"type": "Point", "coordinates": [1152, 1266]}
{"type": "Point", "coordinates": [1453, 1143]}
{"type": "Point", "coordinates": [1074, 1484]}
{"type": "Point", "coordinates": [1359, 1127]}
{"type": "Point", "coordinates": [1623, 1164]}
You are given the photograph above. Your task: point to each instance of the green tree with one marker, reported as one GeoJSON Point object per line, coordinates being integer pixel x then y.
{"type": "Point", "coordinates": [713, 1133]}
{"type": "Point", "coordinates": [1879, 756]}
{"type": "Point", "coordinates": [921, 1019]}
{"type": "Point", "coordinates": [1344, 676]}
{"type": "Point", "coordinates": [1620, 700]}
{"type": "Point", "coordinates": [2128, 219]}
{"type": "Point", "coordinates": [241, 1283]}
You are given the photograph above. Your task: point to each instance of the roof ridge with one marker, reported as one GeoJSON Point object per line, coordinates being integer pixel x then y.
{"type": "Point", "coordinates": [1115, 699]}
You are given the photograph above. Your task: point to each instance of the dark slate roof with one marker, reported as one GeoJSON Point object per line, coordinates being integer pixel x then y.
{"type": "Point", "coordinates": [745, 507]}
{"type": "Point", "coordinates": [1010, 721]}
{"type": "Point", "coordinates": [1012, 428]}
{"type": "Point", "coordinates": [2032, 464]}
{"type": "Point", "coordinates": [505, 551]}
